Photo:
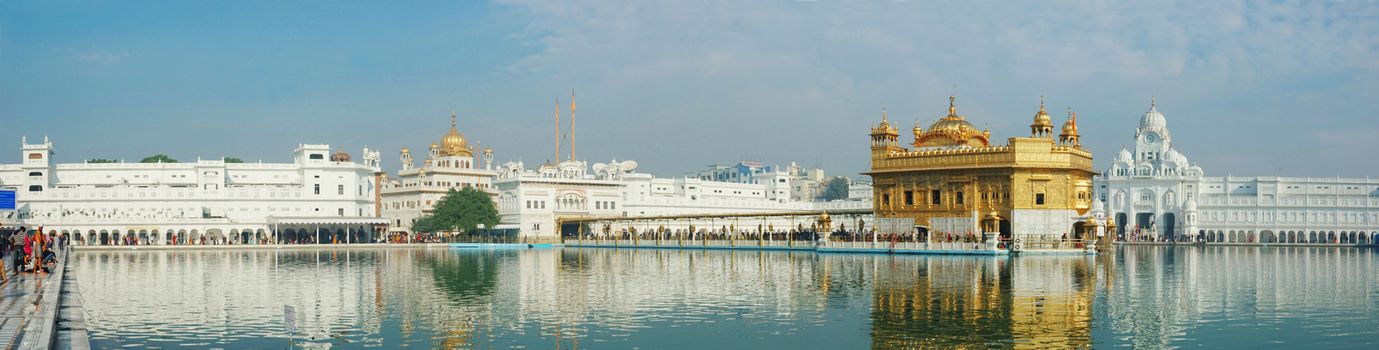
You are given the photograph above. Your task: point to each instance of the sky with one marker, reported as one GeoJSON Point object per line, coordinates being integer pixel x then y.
{"type": "Point", "coordinates": [1248, 87]}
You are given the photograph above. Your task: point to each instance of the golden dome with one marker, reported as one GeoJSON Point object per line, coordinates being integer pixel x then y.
{"type": "Point", "coordinates": [340, 156]}
{"type": "Point", "coordinates": [454, 144]}
{"type": "Point", "coordinates": [1070, 127]}
{"type": "Point", "coordinates": [1069, 134]}
{"type": "Point", "coordinates": [1043, 124]}
{"type": "Point", "coordinates": [952, 130]}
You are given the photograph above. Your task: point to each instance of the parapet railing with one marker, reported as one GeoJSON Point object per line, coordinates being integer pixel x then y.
{"type": "Point", "coordinates": [687, 242]}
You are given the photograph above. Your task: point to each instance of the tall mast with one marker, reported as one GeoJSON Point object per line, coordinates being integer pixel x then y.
{"type": "Point", "coordinates": [557, 130]}
{"type": "Point", "coordinates": [572, 124]}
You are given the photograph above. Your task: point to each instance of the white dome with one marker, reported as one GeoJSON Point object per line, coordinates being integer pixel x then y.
{"type": "Point", "coordinates": [1098, 207]}
{"type": "Point", "coordinates": [1124, 156]}
{"type": "Point", "coordinates": [1153, 120]}
{"type": "Point", "coordinates": [1176, 158]}
{"type": "Point", "coordinates": [1191, 204]}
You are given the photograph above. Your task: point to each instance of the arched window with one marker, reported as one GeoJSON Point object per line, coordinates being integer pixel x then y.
{"type": "Point", "coordinates": [36, 173]}
{"type": "Point", "coordinates": [35, 188]}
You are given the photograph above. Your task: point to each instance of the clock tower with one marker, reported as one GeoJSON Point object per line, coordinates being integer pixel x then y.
{"type": "Point", "coordinates": [1148, 188]}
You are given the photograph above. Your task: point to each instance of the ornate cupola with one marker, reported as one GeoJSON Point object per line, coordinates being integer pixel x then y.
{"type": "Point", "coordinates": [1043, 125]}
{"type": "Point", "coordinates": [340, 156]}
{"type": "Point", "coordinates": [884, 136]}
{"type": "Point", "coordinates": [1069, 136]}
{"type": "Point", "coordinates": [454, 144]}
{"type": "Point", "coordinates": [952, 130]}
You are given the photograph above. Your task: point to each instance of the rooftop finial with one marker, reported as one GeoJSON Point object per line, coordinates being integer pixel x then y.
{"type": "Point", "coordinates": [953, 104]}
{"type": "Point", "coordinates": [883, 116]}
{"type": "Point", "coordinates": [1152, 103]}
{"type": "Point", "coordinates": [452, 119]}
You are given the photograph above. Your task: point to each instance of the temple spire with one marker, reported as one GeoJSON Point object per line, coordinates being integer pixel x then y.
{"type": "Point", "coordinates": [952, 105]}
{"type": "Point", "coordinates": [452, 119]}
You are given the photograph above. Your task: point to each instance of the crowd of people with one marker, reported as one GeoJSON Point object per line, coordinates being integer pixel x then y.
{"type": "Point", "coordinates": [25, 250]}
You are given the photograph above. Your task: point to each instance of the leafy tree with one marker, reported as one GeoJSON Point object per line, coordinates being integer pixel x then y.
{"type": "Point", "coordinates": [158, 158]}
{"type": "Point", "coordinates": [461, 210]}
{"type": "Point", "coordinates": [233, 160]}
{"type": "Point", "coordinates": [101, 160]}
{"type": "Point", "coordinates": [834, 189]}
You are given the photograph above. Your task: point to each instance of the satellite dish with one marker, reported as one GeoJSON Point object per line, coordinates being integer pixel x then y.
{"type": "Point", "coordinates": [629, 165]}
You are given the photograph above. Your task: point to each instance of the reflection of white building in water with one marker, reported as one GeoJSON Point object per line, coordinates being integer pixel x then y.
{"type": "Point", "coordinates": [157, 202]}
{"type": "Point", "coordinates": [1154, 188]}
{"type": "Point", "coordinates": [450, 164]}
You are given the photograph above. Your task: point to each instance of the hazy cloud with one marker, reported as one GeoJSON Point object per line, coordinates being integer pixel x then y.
{"type": "Point", "coordinates": [102, 56]}
{"type": "Point", "coordinates": [821, 70]}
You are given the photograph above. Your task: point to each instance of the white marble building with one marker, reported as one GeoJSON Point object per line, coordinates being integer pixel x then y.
{"type": "Point", "coordinates": [179, 203]}
{"type": "Point", "coordinates": [1153, 189]}
{"type": "Point", "coordinates": [451, 164]}
{"type": "Point", "coordinates": [535, 200]}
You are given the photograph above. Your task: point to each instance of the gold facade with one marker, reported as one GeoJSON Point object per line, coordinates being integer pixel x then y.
{"type": "Point", "coordinates": [953, 171]}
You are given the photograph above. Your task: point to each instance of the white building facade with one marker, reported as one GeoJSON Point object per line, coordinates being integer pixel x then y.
{"type": "Point", "coordinates": [450, 164]}
{"type": "Point", "coordinates": [1153, 192]}
{"type": "Point", "coordinates": [537, 200]}
{"type": "Point", "coordinates": [182, 203]}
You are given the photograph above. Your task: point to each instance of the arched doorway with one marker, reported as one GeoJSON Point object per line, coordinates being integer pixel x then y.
{"type": "Point", "coordinates": [1267, 236]}
{"type": "Point", "coordinates": [1312, 237]}
{"type": "Point", "coordinates": [1170, 231]}
{"type": "Point", "coordinates": [195, 237]}
{"type": "Point", "coordinates": [1121, 221]}
{"type": "Point", "coordinates": [214, 236]}
{"type": "Point", "coordinates": [1005, 229]}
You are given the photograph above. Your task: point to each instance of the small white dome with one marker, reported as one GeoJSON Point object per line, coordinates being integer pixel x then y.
{"type": "Point", "coordinates": [1191, 204]}
{"type": "Point", "coordinates": [1124, 156]}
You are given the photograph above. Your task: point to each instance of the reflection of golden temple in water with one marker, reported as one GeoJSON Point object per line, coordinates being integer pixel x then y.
{"type": "Point", "coordinates": [1040, 302]}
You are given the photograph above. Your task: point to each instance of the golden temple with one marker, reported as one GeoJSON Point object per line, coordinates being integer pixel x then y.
{"type": "Point", "coordinates": [954, 179]}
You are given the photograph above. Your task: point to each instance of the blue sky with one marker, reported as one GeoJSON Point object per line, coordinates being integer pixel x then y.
{"type": "Point", "coordinates": [1249, 88]}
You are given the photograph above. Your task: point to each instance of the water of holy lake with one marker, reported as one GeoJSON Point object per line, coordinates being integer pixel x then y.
{"type": "Point", "coordinates": [1142, 297]}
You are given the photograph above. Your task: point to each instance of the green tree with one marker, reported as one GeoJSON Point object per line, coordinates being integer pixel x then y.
{"type": "Point", "coordinates": [158, 158]}
{"type": "Point", "coordinates": [233, 160]}
{"type": "Point", "coordinates": [101, 160]}
{"type": "Point", "coordinates": [461, 210]}
{"type": "Point", "coordinates": [834, 189]}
